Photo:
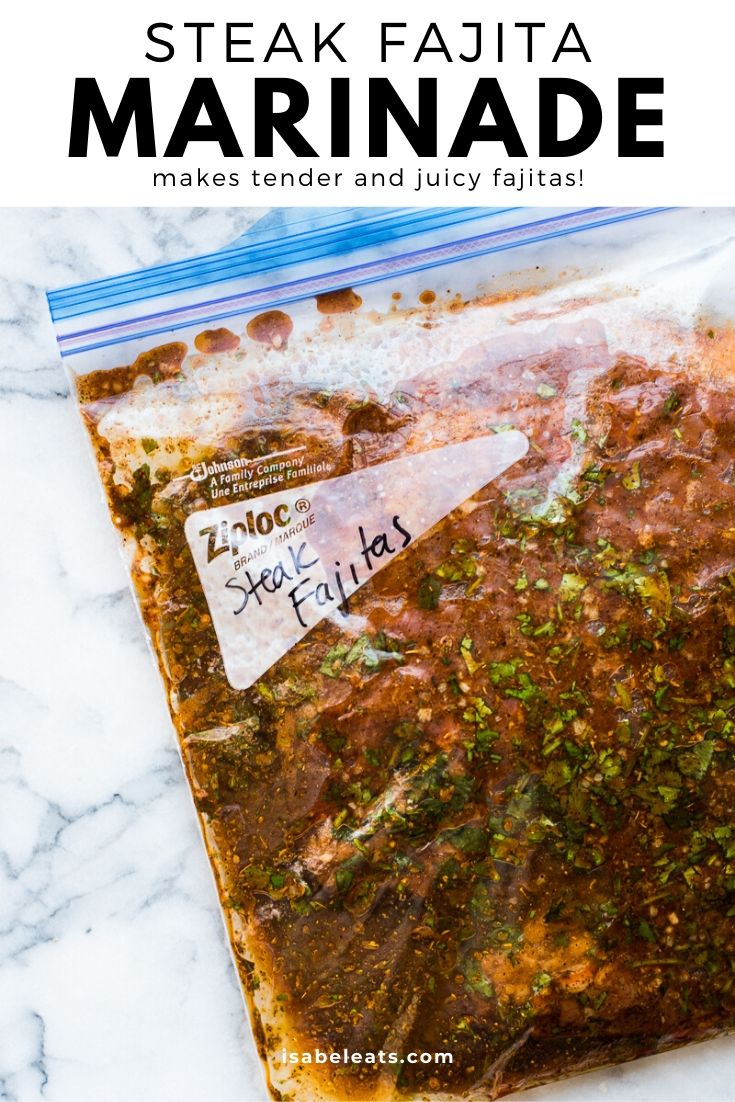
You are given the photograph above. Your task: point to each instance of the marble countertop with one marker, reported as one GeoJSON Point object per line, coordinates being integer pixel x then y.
{"type": "Point", "coordinates": [115, 978]}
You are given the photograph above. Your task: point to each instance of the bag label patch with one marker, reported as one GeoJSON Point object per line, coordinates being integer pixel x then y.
{"type": "Point", "coordinates": [273, 567]}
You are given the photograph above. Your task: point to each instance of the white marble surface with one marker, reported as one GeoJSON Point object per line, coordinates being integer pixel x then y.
{"type": "Point", "coordinates": [115, 978]}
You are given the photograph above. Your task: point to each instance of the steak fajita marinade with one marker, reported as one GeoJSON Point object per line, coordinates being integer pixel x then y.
{"type": "Point", "coordinates": [483, 805]}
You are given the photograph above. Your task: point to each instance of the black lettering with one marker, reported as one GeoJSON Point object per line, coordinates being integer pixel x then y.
{"type": "Point", "coordinates": [231, 41]}
{"type": "Point", "coordinates": [269, 121]}
{"type": "Point", "coordinates": [232, 584]}
{"type": "Point", "coordinates": [203, 95]}
{"type": "Point", "coordinates": [279, 575]}
{"type": "Point", "coordinates": [578, 49]}
{"type": "Point", "coordinates": [529, 37]}
{"type": "Point", "coordinates": [550, 145]}
{"type": "Point", "coordinates": [291, 48]}
{"type": "Point", "coordinates": [199, 28]}
{"type": "Point", "coordinates": [255, 586]}
{"type": "Point", "coordinates": [321, 43]}
{"type": "Point", "coordinates": [478, 43]}
{"type": "Point", "coordinates": [297, 559]}
{"type": "Point", "coordinates": [160, 41]}
{"type": "Point", "coordinates": [340, 112]}
{"type": "Point", "coordinates": [384, 101]}
{"type": "Point", "coordinates": [380, 546]}
{"type": "Point", "coordinates": [631, 116]}
{"type": "Point", "coordinates": [487, 93]}
{"type": "Point", "coordinates": [386, 42]}
{"type": "Point", "coordinates": [377, 547]}
{"type": "Point", "coordinates": [298, 601]}
{"type": "Point", "coordinates": [323, 594]}
{"type": "Point", "coordinates": [344, 607]}
{"type": "Point", "coordinates": [403, 531]}
{"type": "Point", "coordinates": [89, 105]}
{"type": "Point", "coordinates": [441, 47]}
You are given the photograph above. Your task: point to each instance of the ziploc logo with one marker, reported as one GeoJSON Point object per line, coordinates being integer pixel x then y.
{"type": "Point", "coordinates": [275, 566]}
{"type": "Point", "coordinates": [232, 535]}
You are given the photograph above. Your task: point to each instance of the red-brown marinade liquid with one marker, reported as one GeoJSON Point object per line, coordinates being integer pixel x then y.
{"type": "Point", "coordinates": [498, 821]}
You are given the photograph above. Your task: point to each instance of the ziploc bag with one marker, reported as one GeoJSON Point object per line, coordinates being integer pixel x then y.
{"type": "Point", "coordinates": [430, 517]}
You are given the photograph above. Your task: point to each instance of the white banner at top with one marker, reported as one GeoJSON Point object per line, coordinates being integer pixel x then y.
{"type": "Point", "coordinates": [379, 104]}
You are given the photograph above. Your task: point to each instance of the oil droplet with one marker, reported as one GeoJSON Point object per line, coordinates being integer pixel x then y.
{"type": "Point", "coordinates": [427, 297]}
{"type": "Point", "coordinates": [338, 302]}
{"type": "Point", "coordinates": [216, 340]}
{"type": "Point", "coordinates": [159, 363]}
{"type": "Point", "coordinates": [273, 328]}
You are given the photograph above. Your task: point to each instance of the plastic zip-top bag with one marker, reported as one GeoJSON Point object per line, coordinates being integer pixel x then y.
{"type": "Point", "coordinates": [430, 515]}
